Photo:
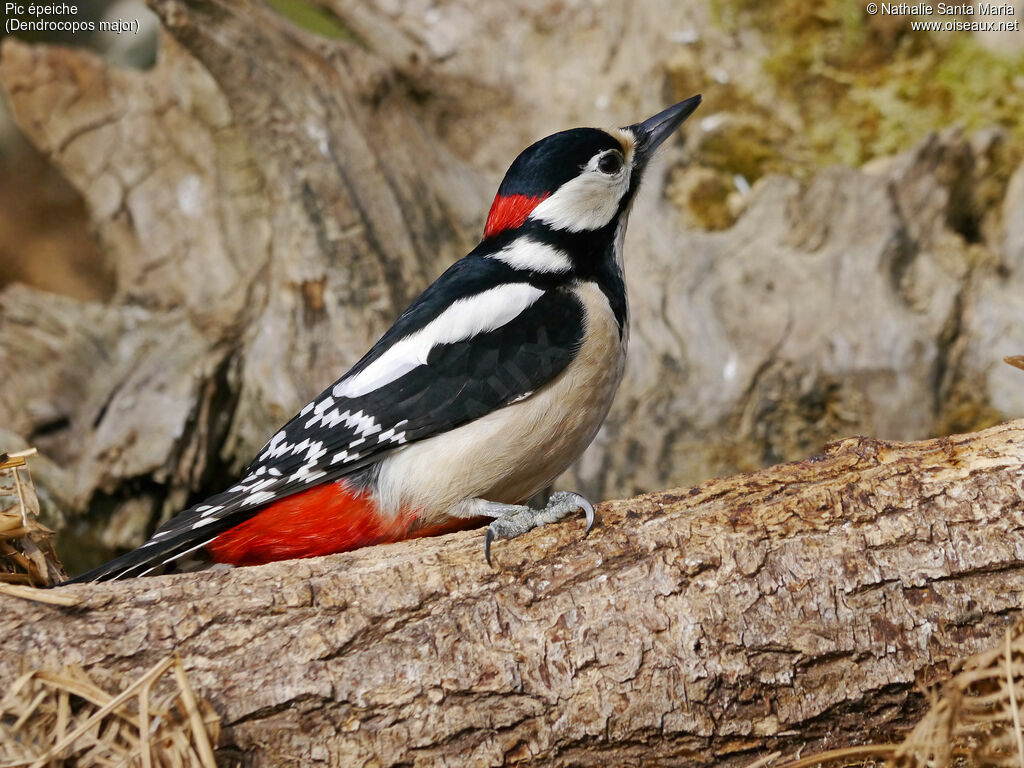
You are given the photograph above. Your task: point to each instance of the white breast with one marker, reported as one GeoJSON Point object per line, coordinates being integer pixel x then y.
{"type": "Point", "coordinates": [514, 452]}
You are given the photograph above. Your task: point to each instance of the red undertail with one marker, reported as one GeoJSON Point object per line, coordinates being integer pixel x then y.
{"type": "Point", "coordinates": [322, 520]}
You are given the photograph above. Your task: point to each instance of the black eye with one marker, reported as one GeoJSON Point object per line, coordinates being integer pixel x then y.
{"type": "Point", "coordinates": [610, 163]}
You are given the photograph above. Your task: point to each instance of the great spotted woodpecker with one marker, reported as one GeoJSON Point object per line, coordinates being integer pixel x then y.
{"type": "Point", "coordinates": [486, 388]}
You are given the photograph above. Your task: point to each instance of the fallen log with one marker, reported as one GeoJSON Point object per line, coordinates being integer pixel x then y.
{"type": "Point", "coordinates": [798, 607]}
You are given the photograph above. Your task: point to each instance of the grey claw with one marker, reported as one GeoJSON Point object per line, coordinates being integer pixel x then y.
{"type": "Point", "coordinates": [588, 508]}
{"type": "Point", "coordinates": [488, 538]}
{"type": "Point", "coordinates": [514, 521]}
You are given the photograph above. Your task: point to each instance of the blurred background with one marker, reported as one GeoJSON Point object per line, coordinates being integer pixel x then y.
{"type": "Point", "coordinates": [202, 227]}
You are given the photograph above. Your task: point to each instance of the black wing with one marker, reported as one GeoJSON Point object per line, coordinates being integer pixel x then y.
{"type": "Point", "coordinates": [335, 435]}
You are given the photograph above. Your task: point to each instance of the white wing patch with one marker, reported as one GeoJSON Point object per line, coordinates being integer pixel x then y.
{"type": "Point", "coordinates": [256, 498]}
{"type": "Point", "coordinates": [277, 446]}
{"type": "Point", "coordinates": [464, 319]}
{"type": "Point", "coordinates": [393, 435]}
{"type": "Point", "coordinates": [526, 253]}
{"type": "Point", "coordinates": [344, 456]}
{"type": "Point", "coordinates": [363, 423]}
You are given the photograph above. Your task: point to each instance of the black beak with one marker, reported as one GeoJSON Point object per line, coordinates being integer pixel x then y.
{"type": "Point", "coordinates": [654, 130]}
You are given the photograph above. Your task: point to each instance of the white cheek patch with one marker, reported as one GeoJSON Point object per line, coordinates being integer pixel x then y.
{"type": "Point", "coordinates": [587, 202]}
{"type": "Point", "coordinates": [530, 255]}
{"type": "Point", "coordinates": [464, 319]}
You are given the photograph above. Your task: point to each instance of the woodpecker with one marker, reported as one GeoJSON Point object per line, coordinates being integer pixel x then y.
{"type": "Point", "coordinates": [488, 386]}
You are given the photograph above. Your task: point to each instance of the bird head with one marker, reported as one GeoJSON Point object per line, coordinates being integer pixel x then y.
{"type": "Point", "coordinates": [582, 179]}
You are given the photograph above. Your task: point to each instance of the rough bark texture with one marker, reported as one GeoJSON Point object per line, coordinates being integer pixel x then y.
{"type": "Point", "coordinates": [796, 607]}
{"type": "Point", "coordinates": [270, 200]}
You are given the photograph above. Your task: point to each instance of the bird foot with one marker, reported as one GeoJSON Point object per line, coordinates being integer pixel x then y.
{"type": "Point", "coordinates": [516, 519]}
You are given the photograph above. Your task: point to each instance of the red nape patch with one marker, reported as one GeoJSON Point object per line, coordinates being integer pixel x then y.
{"type": "Point", "coordinates": [509, 212]}
{"type": "Point", "coordinates": [323, 520]}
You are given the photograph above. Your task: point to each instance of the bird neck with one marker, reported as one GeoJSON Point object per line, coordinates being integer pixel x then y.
{"type": "Point", "coordinates": [589, 255]}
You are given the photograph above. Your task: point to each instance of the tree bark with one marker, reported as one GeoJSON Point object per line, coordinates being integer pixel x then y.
{"type": "Point", "coordinates": [798, 607]}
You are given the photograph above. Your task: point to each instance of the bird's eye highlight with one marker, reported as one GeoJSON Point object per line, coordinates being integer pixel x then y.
{"type": "Point", "coordinates": [610, 163]}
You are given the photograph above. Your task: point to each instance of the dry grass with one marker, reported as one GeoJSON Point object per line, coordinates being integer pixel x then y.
{"type": "Point", "coordinates": [977, 715]}
{"type": "Point", "coordinates": [56, 719]}
{"type": "Point", "coordinates": [865, 756]}
{"type": "Point", "coordinates": [975, 720]}
{"type": "Point", "coordinates": [26, 553]}
{"type": "Point", "coordinates": [50, 719]}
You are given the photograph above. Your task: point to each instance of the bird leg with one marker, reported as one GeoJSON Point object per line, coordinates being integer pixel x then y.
{"type": "Point", "coordinates": [512, 520]}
